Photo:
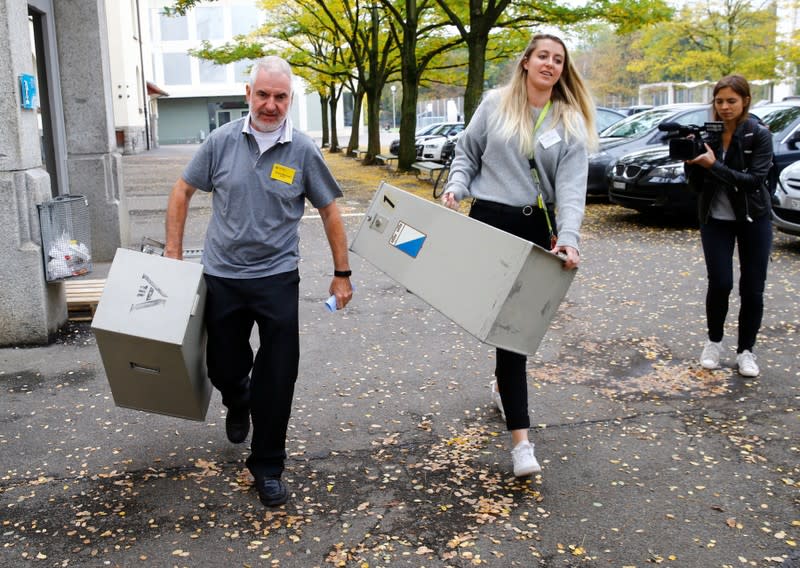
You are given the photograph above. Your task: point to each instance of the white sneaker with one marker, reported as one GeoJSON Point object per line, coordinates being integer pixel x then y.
{"type": "Point", "coordinates": [710, 357]}
{"type": "Point", "coordinates": [524, 461]}
{"type": "Point", "coordinates": [498, 402]}
{"type": "Point", "coordinates": [747, 364]}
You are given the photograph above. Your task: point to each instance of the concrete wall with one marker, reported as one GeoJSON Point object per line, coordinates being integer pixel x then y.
{"type": "Point", "coordinates": [30, 309]}
{"type": "Point", "coordinates": [127, 82]}
{"type": "Point", "coordinates": [93, 163]}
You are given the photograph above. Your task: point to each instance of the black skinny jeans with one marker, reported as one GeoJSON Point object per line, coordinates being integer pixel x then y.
{"type": "Point", "coordinates": [233, 306]}
{"type": "Point", "coordinates": [754, 240]}
{"type": "Point", "coordinates": [510, 368]}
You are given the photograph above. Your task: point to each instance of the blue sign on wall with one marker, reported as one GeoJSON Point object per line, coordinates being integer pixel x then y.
{"type": "Point", "coordinates": [29, 96]}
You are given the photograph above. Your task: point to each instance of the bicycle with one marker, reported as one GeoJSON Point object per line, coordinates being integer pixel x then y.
{"type": "Point", "coordinates": [441, 180]}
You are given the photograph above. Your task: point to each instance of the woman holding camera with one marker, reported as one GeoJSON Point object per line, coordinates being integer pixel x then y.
{"type": "Point", "coordinates": [734, 207]}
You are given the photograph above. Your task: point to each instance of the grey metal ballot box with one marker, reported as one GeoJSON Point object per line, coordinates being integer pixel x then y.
{"type": "Point", "coordinates": [150, 332]}
{"type": "Point", "coordinates": [502, 289]}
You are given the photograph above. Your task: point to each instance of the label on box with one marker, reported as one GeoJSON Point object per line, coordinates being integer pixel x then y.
{"type": "Point", "coordinates": [407, 239]}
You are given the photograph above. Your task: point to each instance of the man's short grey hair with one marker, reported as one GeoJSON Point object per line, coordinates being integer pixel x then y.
{"type": "Point", "coordinates": [271, 63]}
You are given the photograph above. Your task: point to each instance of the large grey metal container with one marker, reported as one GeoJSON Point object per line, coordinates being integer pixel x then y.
{"type": "Point", "coordinates": [502, 289]}
{"type": "Point", "coordinates": [150, 332]}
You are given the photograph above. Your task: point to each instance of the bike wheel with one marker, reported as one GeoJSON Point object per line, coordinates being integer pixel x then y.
{"type": "Point", "coordinates": [441, 181]}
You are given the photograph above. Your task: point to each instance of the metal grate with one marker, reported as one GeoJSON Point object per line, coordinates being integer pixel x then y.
{"type": "Point", "coordinates": [66, 237]}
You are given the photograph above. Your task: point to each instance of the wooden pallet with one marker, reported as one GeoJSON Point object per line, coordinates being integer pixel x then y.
{"type": "Point", "coordinates": [82, 298]}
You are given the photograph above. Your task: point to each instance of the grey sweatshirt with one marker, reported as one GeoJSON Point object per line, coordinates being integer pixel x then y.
{"type": "Point", "coordinates": [488, 167]}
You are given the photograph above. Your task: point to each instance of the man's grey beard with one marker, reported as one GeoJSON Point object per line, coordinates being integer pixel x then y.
{"type": "Point", "coordinates": [257, 124]}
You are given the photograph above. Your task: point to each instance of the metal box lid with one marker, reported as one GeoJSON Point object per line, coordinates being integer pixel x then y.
{"type": "Point", "coordinates": [150, 297]}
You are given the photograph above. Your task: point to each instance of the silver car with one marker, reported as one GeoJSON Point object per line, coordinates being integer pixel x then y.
{"type": "Point", "coordinates": [786, 203]}
{"type": "Point", "coordinates": [429, 146]}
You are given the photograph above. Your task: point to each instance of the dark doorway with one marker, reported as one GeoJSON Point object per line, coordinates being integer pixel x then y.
{"type": "Point", "coordinates": [51, 122]}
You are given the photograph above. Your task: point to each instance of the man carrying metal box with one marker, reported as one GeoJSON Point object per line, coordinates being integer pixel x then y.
{"type": "Point", "coordinates": [260, 170]}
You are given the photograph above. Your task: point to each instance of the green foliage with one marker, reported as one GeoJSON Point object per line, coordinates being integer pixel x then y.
{"type": "Point", "coordinates": [230, 52]}
{"type": "Point", "coordinates": [707, 41]}
{"type": "Point", "coordinates": [602, 59]}
{"type": "Point", "coordinates": [623, 42]}
{"type": "Point", "coordinates": [180, 7]}
{"type": "Point", "coordinates": [627, 16]}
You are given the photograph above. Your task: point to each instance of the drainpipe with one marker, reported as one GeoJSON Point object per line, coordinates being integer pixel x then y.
{"type": "Point", "coordinates": [146, 98]}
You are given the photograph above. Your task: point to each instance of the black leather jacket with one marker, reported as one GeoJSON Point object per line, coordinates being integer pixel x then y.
{"type": "Point", "coordinates": [743, 178]}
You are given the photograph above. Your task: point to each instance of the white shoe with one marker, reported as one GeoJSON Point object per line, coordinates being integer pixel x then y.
{"type": "Point", "coordinates": [498, 402]}
{"type": "Point", "coordinates": [747, 364]}
{"type": "Point", "coordinates": [524, 461]}
{"type": "Point", "coordinates": [710, 357]}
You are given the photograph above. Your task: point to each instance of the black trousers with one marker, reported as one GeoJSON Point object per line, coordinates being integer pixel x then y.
{"type": "Point", "coordinates": [233, 306]}
{"type": "Point", "coordinates": [754, 240]}
{"type": "Point", "coordinates": [510, 368]}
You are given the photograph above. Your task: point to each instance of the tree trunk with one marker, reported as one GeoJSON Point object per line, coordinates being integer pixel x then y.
{"type": "Point", "coordinates": [475, 75]}
{"type": "Point", "coordinates": [410, 78]}
{"type": "Point", "coordinates": [373, 124]}
{"type": "Point", "coordinates": [333, 104]}
{"type": "Point", "coordinates": [353, 144]}
{"type": "Point", "coordinates": [323, 102]}
{"type": "Point", "coordinates": [373, 88]}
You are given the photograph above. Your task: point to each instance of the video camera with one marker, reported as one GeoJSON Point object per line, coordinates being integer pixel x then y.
{"type": "Point", "coordinates": [681, 146]}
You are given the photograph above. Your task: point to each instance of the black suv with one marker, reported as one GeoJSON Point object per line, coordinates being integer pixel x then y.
{"type": "Point", "coordinates": [651, 180]}
{"type": "Point", "coordinates": [637, 132]}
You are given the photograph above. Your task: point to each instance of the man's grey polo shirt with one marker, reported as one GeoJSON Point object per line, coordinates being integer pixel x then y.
{"type": "Point", "coordinates": [257, 200]}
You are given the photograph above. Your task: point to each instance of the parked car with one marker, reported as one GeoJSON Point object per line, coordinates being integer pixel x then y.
{"type": "Point", "coordinates": [651, 180]}
{"type": "Point", "coordinates": [449, 149]}
{"type": "Point", "coordinates": [633, 109]}
{"type": "Point", "coordinates": [783, 119]}
{"type": "Point", "coordinates": [605, 117]}
{"type": "Point", "coordinates": [394, 146]}
{"type": "Point", "coordinates": [637, 132]}
{"type": "Point", "coordinates": [786, 203]}
{"type": "Point", "coordinates": [429, 146]}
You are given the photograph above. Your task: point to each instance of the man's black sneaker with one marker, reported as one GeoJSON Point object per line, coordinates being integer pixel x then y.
{"type": "Point", "coordinates": [237, 424]}
{"type": "Point", "coordinates": [271, 491]}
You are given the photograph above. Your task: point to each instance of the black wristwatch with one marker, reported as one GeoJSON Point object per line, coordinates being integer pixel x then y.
{"type": "Point", "coordinates": [342, 273]}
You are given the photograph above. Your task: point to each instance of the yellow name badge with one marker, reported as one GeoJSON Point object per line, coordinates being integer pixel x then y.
{"type": "Point", "coordinates": [282, 173]}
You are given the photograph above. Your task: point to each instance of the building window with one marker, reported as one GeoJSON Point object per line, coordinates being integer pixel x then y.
{"type": "Point", "coordinates": [243, 19]}
{"type": "Point", "coordinates": [212, 73]}
{"type": "Point", "coordinates": [241, 71]}
{"type": "Point", "coordinates": [173, 28]}
{"type": "Point", "coordinates": [210, 23]}
{"type": "Point", "coordinates": [177, 69]}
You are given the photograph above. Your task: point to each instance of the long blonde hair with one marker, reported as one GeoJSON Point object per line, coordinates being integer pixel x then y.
{"type": "Point", "coordinates": [571, 103]}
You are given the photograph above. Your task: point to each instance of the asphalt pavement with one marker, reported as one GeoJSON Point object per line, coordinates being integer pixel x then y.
{"type": "Point", "coordinates": [396, 455]}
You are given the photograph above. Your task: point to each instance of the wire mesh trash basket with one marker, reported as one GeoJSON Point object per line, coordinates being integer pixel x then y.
{"type": "Point", "coordinates": [66, 238]}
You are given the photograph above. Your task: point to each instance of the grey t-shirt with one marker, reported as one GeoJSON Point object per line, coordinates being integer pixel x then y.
{"type": "Point", "coordinates": [721, 207]}
{"type": "Point", "coordinates": [257, 199]}
{"type": "Point", "coordinates": [487, 166]}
